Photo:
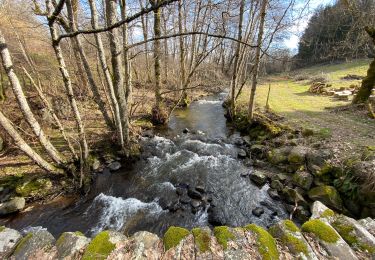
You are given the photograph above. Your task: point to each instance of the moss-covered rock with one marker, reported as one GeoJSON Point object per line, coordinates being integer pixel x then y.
{"type": "Point", "coordinates": [328, 195]}
{"type": "Point", "coordinates": [100, 247]}
{"type": "Point", "coordinates": [353, 234]}
{"type": "Point", "coordinates": [34, 187]}
{"type": "Point", "coordinates": [265, 242]}
{"type": "Point", "coordinates": [290, 226]}
{"type": "Point", "coordinates": [202, 239]}
{"type": "Point", "coordinates": [303, 179]}
{"type": "Point", "coordinates": [320, 229]}
{"type": "Point", "coordinates": [223, 235]}
{"type": "Point", "coordinates": [297, 155]}
{"type": "Point", "coordinates": [173, 236]}
{"type": "Point", "coordinates": [278, 156]}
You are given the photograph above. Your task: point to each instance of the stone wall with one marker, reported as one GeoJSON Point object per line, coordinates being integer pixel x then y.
{"type": "Point", "coordinates": [326, 235]}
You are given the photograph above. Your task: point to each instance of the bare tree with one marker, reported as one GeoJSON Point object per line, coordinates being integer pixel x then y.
{"type": "Point", "coordinates": [257, 60]}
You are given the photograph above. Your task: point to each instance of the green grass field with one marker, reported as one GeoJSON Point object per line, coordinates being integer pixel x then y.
{"type": "Point", "coordinates": [291, 99]}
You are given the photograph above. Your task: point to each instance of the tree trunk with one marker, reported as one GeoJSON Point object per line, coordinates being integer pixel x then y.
{"type": "Point", "coordinates": [24, 105]}
{"type": "Point", "coordinates": [107, 74]}
{"type": "Point", "coordinates": [368, 82]}
{"type": "Point", "coordinates": [23, 146]}
{"type": "Point", "coordinates": [257, 61]}
{"type": "Point", "coordinates": [159, 115]}
{"type": "Point", "coordinates": [118, 76]}
{"type": "Point", "coordinates": [127, 63]}
{"type": "Point", "coordinates": [67, 82]}
{"type": "Point", "coordinates": [144, 20]}
{"type": "Point", "coordinates": [93, 86]}
{"type": "Point", "coordinates": [234, 80]}
{"type": "Point", "coordinates": [51, 112]}
{"type": "Point", "coordinates": [182, 57]}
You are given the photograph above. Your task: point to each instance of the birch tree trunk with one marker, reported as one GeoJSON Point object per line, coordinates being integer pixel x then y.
{"type": "Point", "coordinates": [107, 74]}
{"type": "Point", "coordinates": [23, 146]}
{"type": "Point", "coordinates": [67, 81]}
{"type": "Point", "coordinates": [234, 80]}
{"type": "Point", "coordinates": [24, 105]}
{"type": "Point", "coordinates": [118, 76]}
{"type": "Point", "coordinates": [93, 86]}
{"type": "Point", "coordinates": [257, 60]}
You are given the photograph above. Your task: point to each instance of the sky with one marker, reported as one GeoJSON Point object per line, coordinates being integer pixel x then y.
{"type": "Point", "coordinates": [297, 29]}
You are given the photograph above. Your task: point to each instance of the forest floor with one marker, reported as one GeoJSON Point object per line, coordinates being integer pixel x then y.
{"type": "Point", "coordinates": [345, 129]}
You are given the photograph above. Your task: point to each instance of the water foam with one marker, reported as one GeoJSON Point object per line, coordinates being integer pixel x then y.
{"type": "Point", "coordinates": [115, 212]}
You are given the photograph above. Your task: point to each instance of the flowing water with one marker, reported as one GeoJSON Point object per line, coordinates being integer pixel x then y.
{"type": "Point", "coordinates": [161, 188]}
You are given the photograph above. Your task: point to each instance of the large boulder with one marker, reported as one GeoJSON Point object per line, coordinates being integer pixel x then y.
{"type": "Point", "coordinates": [303, 179]}
{"type": "Point", "coordinates": [317, 159]}
{"type": "Point", "coordinates": [328, 195]}
{"type": "Point", "coordinates": [14, 205]}
{"type": "Point", "coordinates": [8, 241]}
{"type": "Point", "coordinates": [37, 244]}
{"type": "Point", "coordinates": [71, 244]}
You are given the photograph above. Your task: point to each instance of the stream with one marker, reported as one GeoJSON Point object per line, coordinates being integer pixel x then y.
{"type": "Point", "coordinates": [182, 179]}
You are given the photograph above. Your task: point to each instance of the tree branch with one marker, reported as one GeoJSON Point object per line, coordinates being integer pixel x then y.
{"type": "Point", "coordinates": [56, 12]}
{"type": "Point", "coordinates": [117, 24]}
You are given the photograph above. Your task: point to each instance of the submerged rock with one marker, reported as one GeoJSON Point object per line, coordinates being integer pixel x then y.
{"type": "Point", "coordinates": [258, 211]}
{"type": "Point", "coordinates": [14, 205]}
{"type": "Point", "coordinates": [241, 154]}
{"type": "Point", "coordinates": [114, 166]}
{"type": "Point", "coordinates": [194, 194]}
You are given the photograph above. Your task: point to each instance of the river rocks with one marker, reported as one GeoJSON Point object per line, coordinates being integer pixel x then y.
{"type": "Point", "coordinates": [200, 188]}
{"type": "Point", "coordinates": [319, 210]}
{"type": "Point", "coordinates": [241, 154]}
{"type": "Point", "coordinates": [316, 160]}
{"type": "Point", "coordinates": [257, 150]}
{"type": "Point", "coordinates": [327, 195]}
{"type": "Point", "coordinates": [71, 245]}
{"type": "Point", "coordinates": [273, 194]}
{"type": "Point", "coordinates": [103, 244]}
{"type": "Point", "coordinates": [277, 156]}
{"type": "Point", "coordinates": [368, 224]}
{"type": "Point", "coordinates": [258, 178]}
{"type": "Point", "coordinates": [297, 155]}
{"type": "Point", "coordinates": [8, 241]}
{"type": "Point", "coordinates": [185, 131]}
{"type": "Point", "coordinates": [290, 236]}
{"type": "Point", "coordinates": [329, 239]}
{"type": "Point", "coordinates": [258, 211]}
{"type": "Point", "coordinates": [36, 245]}
{"type": "Point", "coordinates": [194, 194]}
{"type": "Point", "coordinates": [354, 234]}
{"type": "Point", "coordinates": [303, 179]}
{"type": "Point", "coordinates": [14, 205]}
{"type": "Point", "coordinates": [196, 203]}
{"type": "Point", "coordinates": [114, 166]}
{"type": "Point", "coordinates": [292, 196]}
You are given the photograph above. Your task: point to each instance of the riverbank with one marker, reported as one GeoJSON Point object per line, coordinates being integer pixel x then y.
{"type": "Point", "coordinates": [319, 147]}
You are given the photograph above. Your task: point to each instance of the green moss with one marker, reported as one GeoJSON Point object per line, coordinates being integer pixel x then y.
{"type": "Point", "coordinates": [290, 226]}
{"type": "Point", "coordinates": [202, 239]}
{"type": "Point", "coordinates": [34, 187]}
{"type": "Point", "coordinates": [307, 132]}
{"type": "Point", "coordinates": [346, 232]}
{"type": "Point", "coordinates": [2, 228]}
{"type": "Point", "coordinates": [23, 241]}
{"type": "Point", "coordinates": [99, 248]}
{"type": "Point", "coordinates": [266, 243]}
{"type": "Point", "coordinates": [321, 230]}
{"type": "Point", "coordinates": [173, 236]}
{"type": "Point", "coordinates": [223, 235]}
{"type": "Point", "coordinates": [294, 244]}
{"type": "Point", "coordinates": [61, 239]}
{"type": "Point", "coordinates": [143, 123]}
{"type": "Point", "coordinates": [327, 213]}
